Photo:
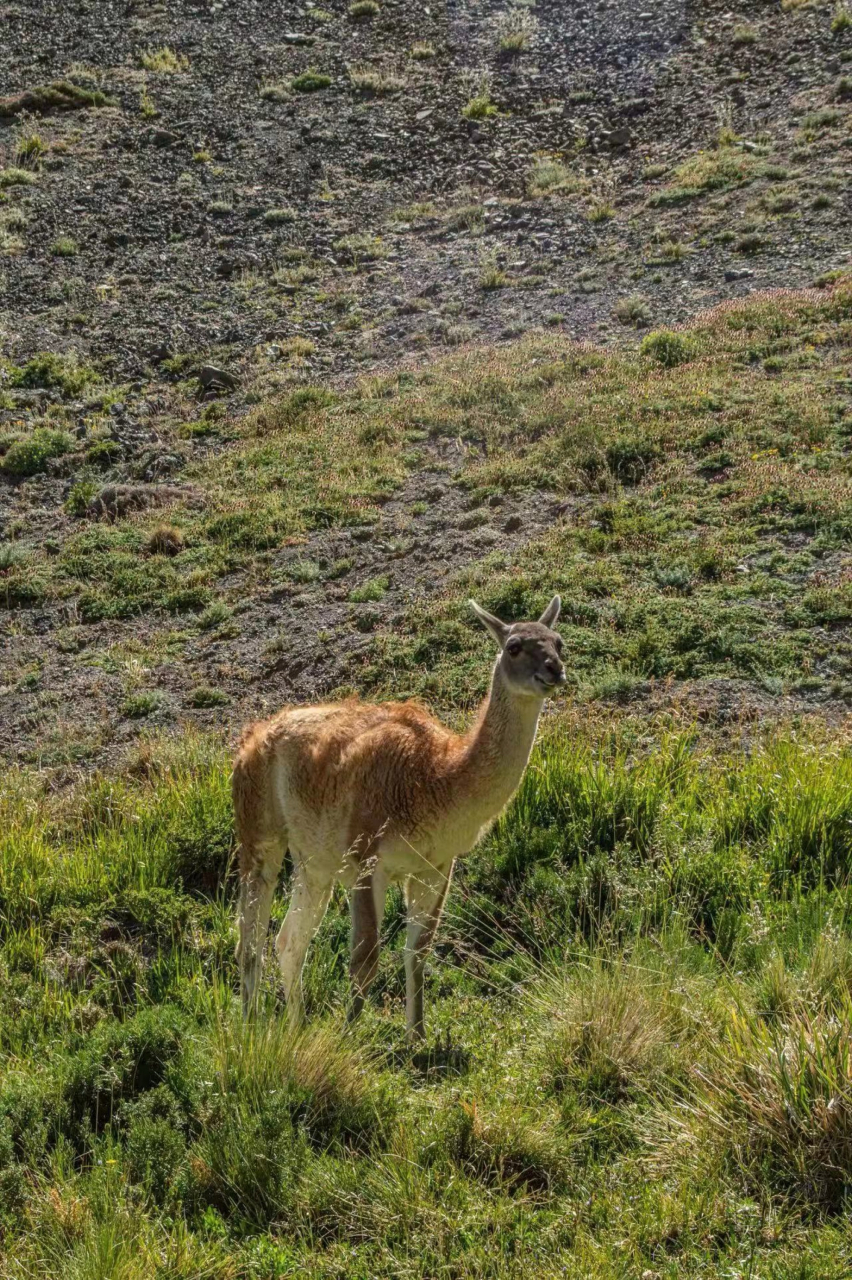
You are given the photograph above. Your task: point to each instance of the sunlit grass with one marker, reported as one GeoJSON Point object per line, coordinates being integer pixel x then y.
{"type": "Point", "coordinates": [644, 969]}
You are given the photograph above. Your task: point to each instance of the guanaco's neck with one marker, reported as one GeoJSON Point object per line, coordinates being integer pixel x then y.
{"type": "Point", "coordinates": [498, 746]}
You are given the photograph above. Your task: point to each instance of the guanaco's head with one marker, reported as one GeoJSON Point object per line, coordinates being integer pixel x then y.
{"type": "Point", "coordinates": [530, 652]}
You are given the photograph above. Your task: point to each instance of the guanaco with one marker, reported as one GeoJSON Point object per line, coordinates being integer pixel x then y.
{"type": "Point", "coordinates": [375, 794]}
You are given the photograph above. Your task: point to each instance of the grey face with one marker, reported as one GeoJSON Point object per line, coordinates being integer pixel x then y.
{"type": "Point", "coordinates": [531, 658]}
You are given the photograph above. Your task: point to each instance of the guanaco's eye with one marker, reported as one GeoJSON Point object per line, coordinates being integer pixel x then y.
{"type": "Point", "coordinates": [558, 643]}
{"type": "Point", "coordinates": [514, 647]}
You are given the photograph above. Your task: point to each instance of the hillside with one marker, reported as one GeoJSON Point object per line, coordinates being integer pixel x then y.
{"type": "Point", "coordinates": [208, 215]}
{"type": "Point", "coordinates": [314, 323]}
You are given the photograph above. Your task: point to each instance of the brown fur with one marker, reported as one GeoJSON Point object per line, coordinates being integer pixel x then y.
{"type": "Point", "coordinates": [395, 756]}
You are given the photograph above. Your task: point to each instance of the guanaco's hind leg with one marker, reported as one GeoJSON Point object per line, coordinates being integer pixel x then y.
{"type": "Point", "coordinates": [308, 904]}
{"type": "Point", "coordinates": [367, 907]}
{"type": "Point", "coordinates": [425, 894]}
{"type": "Point", "coordinates": [257, 887]}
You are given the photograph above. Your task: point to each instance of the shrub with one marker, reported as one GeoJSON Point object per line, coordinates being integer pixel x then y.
{"type": "Point", "coordinates": [214, 616]}
{"type": "Point", "coordinates": [12, 555]}
{"type": "Point", "coordinates": [611, 1031]}
{"type": "Point", "coordinates": [359, 247]}
{"type": "Point", "coordinates": [629, 457]}
{"type": "Point", "coordinates": [165, 540]}
{"type": "Point", "coordinates": [274, 92]}
{"type": "Point", "coordinates": [633, 310]}
{"type": "Point", "coordinates": [491, 275]}
{"type": "Point", "coordinates": [779, 1095]}
{"type": "Point", "coordinates": [275, 217]}
{"type": "Point", "coordinates": [59, 95]}
{"type": "Point", "coordinates": [53, 373]}
{"type": "Point", "coordinates": [82, 1093]}
{"type": "Point", "coordinates": [510, 1151]}
{"type": "Point", "coordinates": [550, 176]}
{"type": "Point", "coordinates": [248, 1163]}
{"type": "Point", "coordinates": [600, 211]}
{"type": "Point", "coordinates": [751, 243]}
{"type": "Point", "coordinates": [303, 571]}
{"type": "Point", "coordinates": [205, 696]}
{"type": "Point", "coordinates": [332, 1087]}
{"type": "Point", "coordinates": [480, 106]}
{"type": "Point", "coordinates": [30, 456]}
{"type": "Point", "coordinates": [310, 81]}
{"type": "Point", "coordinates": [17, 178]}
{"type": "Point", "coordinates": [825, 118]}
{"type": "Point", "coordinates": [164, 60]}
{"type": "Point", "coordinates": [79, 497]}
{"type": "Point", "coordinates": [198, 838]}
{"type": "Point", "coordinates": [841, 20]}
{"type": "Point", "coordinates": [29, 150]}
{"type": "Point", "coordinates": [155, 1141]}
{"type": "Point", "coordinates": [103, 453]}
{"type": "Point", "coordinates": [667, 348]}
{"type": "Point", "coordinates": [708, 171]}
{"type": "Point", "coordinates": [295, 408]}
{"type": "Point", "coordinates": [374, 81]}
{"type": "Point", "coordinates": [363, 10]}
{"type": "Point", "coordinates": [138, 705]}
{"type": "Point", "coordinates": [64, 247]}
{"type": "Point", "coordinates": [371, 590]}
{"type": "Point", "coordinates": [515, 29]}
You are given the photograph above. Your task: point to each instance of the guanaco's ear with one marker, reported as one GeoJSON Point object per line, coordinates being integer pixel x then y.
{"type": "Point", "coordinates": [499, 630]}
{"type": "Point", "coordinates": [551, 613]}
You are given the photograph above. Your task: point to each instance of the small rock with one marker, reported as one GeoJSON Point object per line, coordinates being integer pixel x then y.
{"type": "Point", "coordinates": [618, 138]}
{"type": "Point", "coordinates": [738, 273]}
{"type": "Point", "coordinates": [164, 138]}
{"type": "Point", "coordinates": [297, 37]}
{"type": "Point", "coordinates": [211, 377]}
{"type": "Point", "coordinates": [513, 524]}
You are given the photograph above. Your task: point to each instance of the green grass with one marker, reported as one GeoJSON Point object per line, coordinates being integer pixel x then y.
{"type": "Point", "coordinates": [696, 464]}
{"type": "Point", "coordinates": [708, 467]}
{"type": "Point", "coordinates": [52, 372]}
{"type": "Point", "coordinates": [719, 170]}
{"type": "Point", "coordinates": [372, 590]}
{"type": "Point", "coordinates": [643, 976]}
{"type": "Point", "coordinates": [59, 95]}
{"type": "Point", "coordinates": [15, 177]}
{"type": "Point", "coordinates": [480, 106]}
{"type": "Point", "coordinates": [164, 60]}
{"type": "Point", "coordinates": [65, 247]}
{"type": "Point", "coordinates": [549, 176]}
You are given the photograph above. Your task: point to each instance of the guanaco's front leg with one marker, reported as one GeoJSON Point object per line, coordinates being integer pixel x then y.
{"type": "Point", "coordinates": [425, 895]}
